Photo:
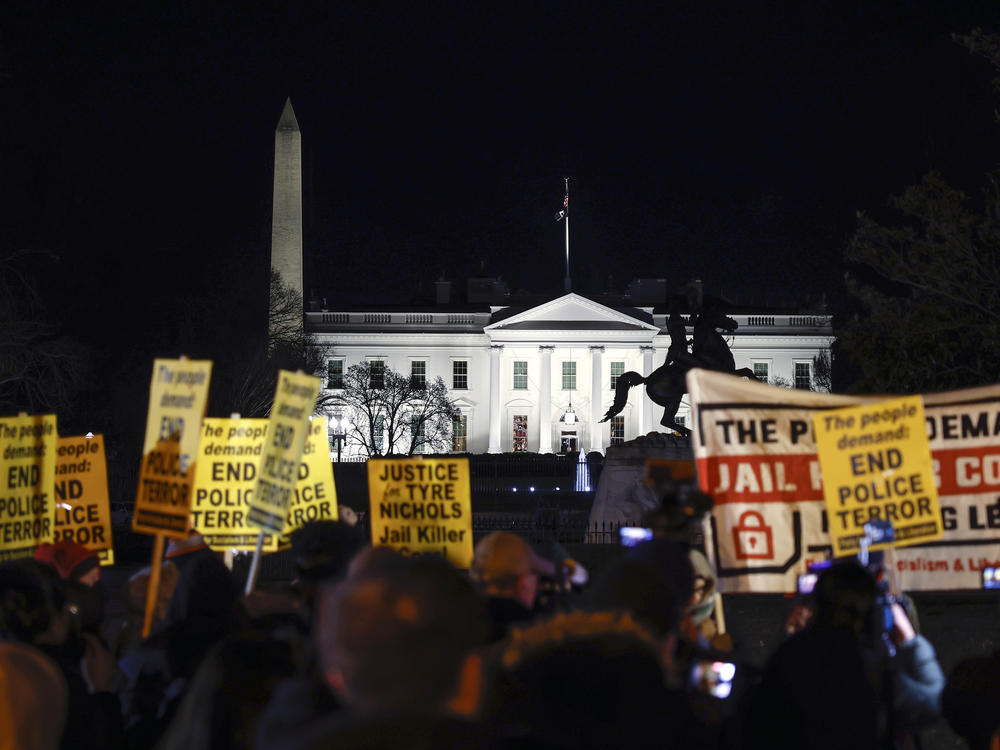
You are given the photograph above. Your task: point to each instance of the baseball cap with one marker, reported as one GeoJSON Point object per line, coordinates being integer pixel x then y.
{"type": "Point", "coordinates": [501, 555]}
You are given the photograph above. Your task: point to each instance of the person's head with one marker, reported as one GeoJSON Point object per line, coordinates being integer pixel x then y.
{"type": "Point", "coordinates": [970, 698]}
{"type": "Point", "coordinates": [205, 595]}
{"type": "Point", "coordinates": [582, 679]}
{"type": "Point", "coordinates": [402, 636]}
{"type": "Point", "coordinates": [323, 549]}
{"type": "Point", "coordinates": [654, 582]}
{"type": "Point", "coordinates": [846, 596]}
{"type": "Point", "coordinates": [32, 603]}
{"type": "Point", "coordinates": [504, 565]}
{"type": "Point", "coordinates": [72, 561]}
{"type": "Point", "coordinates": [33, 698]}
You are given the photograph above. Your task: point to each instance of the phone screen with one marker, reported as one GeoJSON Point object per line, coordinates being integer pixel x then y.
{"type": "Point", "coordinates": [807, 582]}
{"type": "Point", "coordinates": [633, 535]}
{"type": "Point", "coordinates": [991, 578]}
{"type": "Point", "coordinates": [713, 678]}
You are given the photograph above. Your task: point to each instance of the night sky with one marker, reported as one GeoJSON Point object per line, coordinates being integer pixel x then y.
{"type": "Point", "coordinates": [734, 141]}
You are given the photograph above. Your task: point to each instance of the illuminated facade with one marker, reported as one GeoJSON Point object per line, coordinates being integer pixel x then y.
{"type": "Point", "coordinates": [540, 377]}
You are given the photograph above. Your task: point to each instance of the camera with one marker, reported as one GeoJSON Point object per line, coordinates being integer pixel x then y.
{"type": "Point", "coordinates": [991, 578]}
{"type": "Point", "coordinates": [630, 536]}
{"type": "Point", "coordinates": [713, 678]}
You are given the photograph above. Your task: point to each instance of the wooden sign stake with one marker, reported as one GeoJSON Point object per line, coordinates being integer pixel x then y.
{"type": "Point", "coordinates": [153, 584]}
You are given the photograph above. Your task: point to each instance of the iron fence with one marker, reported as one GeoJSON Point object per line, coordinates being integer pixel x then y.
{"type": "Point", "coordinates": [560, 525]}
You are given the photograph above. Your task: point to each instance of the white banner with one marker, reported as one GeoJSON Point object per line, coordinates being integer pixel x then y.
{"type": "Point", "coordinates": [755, 451]}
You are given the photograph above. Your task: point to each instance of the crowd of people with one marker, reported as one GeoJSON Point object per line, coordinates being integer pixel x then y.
{"type": "Point", "coordinates": [369, 648]}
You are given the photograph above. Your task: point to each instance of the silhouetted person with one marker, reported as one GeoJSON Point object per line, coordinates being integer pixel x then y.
{"type": "Point", "coordinates": [841, 665]}
{"type": "Point", "coordinates": [399, 642]}
{"type": "Point", "coordinates": [507, 571]}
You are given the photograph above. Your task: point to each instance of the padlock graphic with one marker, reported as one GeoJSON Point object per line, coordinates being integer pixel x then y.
{"type": "Point", "coordinates": [752, 537]}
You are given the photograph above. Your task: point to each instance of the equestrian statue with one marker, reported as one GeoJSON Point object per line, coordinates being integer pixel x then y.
{"type": "Point", "coordinates": [667, 384]}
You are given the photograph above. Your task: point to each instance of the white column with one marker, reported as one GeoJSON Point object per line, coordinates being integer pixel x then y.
{"type": "Point", "coordinates": [545, 401]}
{"type": "Point", "coordinates": [646, 408]}
{"type": "Point", "coordinates": [596, 402]}
{"type": "Point", "coordinates": [495, 351]}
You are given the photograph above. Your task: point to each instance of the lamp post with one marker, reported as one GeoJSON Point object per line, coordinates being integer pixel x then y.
{"type": "Point", "coordinates": [339, 432]}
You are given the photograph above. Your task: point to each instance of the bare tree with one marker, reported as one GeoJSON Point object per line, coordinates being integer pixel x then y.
{"type": "Point", "coordinates": [822, 373]}
{"type": "Point", "coordinates": [41, 370]}
{"type": "Point", "coordinates": [390, 414]}
{"type": "Point", "coordinates": [246, 369]}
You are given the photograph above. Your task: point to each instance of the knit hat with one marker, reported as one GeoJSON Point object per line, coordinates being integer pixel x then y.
{"type": "Point", "coordinates": [70, 559]}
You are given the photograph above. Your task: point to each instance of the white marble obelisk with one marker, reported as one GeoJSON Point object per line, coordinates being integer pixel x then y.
{"type": "Point", "coordinates": [286, 216]}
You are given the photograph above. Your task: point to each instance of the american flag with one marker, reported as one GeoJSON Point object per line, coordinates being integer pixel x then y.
{"type": "Point", "coordinates": [562, 214]}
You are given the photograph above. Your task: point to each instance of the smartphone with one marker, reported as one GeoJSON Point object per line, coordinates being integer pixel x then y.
{"type": "Point", "coordinates": [991, 578]}
{"type": "Point", "coordinates": [807, 582]}
{"type": "Point", "coordinates": [633, 535]}
{"type": "Point", "coordinates": [713, 678]}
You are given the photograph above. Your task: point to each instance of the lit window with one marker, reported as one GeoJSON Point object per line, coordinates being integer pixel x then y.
{"type": "Point", "coordinates": [617, 430]}
{"type": "Point", "coordinates": [520, 375]}
{"type": "Point", "coordinates": [617, 370]}
{"type": "Point", "coordinates": [418, 373]}
{"type": "Point", "coordinates": [376, 374]}
{"type": "Point", "coordinates": [760, 371]}
{"type": "Point", "coordinates": [520, 433]}
{"type": "Point", "coordinates": [569, 376]}
{"type": "Point", "coordinates": [803, 376]}
{"type": "Point", "coordinates": [335, 373]}
{"type": "Point", "coordinates": [460, 375]}
{"type": "Point", "coordinates": [460, 434]}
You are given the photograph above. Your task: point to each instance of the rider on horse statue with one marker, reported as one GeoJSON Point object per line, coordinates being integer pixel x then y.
{"type": "Point", "coordinates": [668, 383]}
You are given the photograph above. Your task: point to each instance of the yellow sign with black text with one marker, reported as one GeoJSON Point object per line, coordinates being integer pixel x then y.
{"type": "Point", "coordinates": [83, 513]}
{"type": "Point", "coordinates": [27, 474]}
{"type": "Point", "coordinates": [226, 475]}
{"type": "Point", "coordinates": [422, 506]}
{"type": "Point", "coordinates": [178, 394]}
{"type": "Point", "coordinates": [224, 479]}
{"type": "Point", "coordinates": [278, 467]}
{"type": "Point", "coordinates": [876, 466]}
{"type": "Point", "coordinates": [315, 496]}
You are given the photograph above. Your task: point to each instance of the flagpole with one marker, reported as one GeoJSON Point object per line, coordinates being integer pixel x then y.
{"type": "Point", "coordinates": [567, 284]}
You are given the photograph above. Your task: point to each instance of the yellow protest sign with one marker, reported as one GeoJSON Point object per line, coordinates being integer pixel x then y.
{"type": "Point", "coordinates": [224, 479]}
{"type": "Point", "coordinates": [226, 474]}
{"type": "Point", "coordinates": [422, 506]}
{"type": "Point", "coordinates": [178, 393]}
{"type": "Point", "coordinates": [277, 470]}
{"type": "Point", "coordinates": [83, 513]}
{"type": "Point", "coordinates": [27, 474]}
{"type": "Point", "coordinates": [876, 465]}
{"type": "Point", "coordinates": [315, 497]}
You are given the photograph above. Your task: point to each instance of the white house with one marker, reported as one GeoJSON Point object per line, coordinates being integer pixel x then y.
{"type": "Point", "coordinates": [540, 377]}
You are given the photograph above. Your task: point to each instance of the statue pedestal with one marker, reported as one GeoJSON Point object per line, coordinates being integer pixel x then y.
{"type": "Point", "coordinates": [623, 497]}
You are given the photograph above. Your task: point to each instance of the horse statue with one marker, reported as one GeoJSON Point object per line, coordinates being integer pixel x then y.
{"type": "Point", "coordinates": [667, 384]}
